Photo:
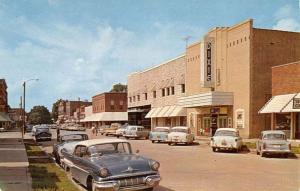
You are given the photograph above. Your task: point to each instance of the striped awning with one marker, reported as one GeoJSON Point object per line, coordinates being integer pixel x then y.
{"type": "Point", "coordinates": [4, 117]}
{"type": "Point", "coordinates": [166, 111]}
{"type": "Point", "coordinates": [107, 116]}
{"type": "Point", "coordinates": [278, 104]}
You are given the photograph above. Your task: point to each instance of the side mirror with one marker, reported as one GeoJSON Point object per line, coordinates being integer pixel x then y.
{"type": "Point", "coordinates": [137, 151]}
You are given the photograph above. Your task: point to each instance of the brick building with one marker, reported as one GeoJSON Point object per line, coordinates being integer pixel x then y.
{"type": "Point", "coordinates": [67, 108]}
{"type": "Point", "coordinates": [5, 121]}
{"type": "Point", "coordinates": [284, 106]}
{"type": "Point", "coordinates": [153, 94]}
{"type": "Point", "coordinates": [106, 108]}
{"type": "Point", "coordinates": [16, 115]}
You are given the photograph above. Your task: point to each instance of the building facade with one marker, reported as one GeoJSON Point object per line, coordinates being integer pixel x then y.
{"type": "Point", "coordinates": [16, 115]}
{"type": "Point", "coordinates": [153, 95]}
{"type": "Point", "coordinates": [67, 108]}
{"type": "Point", "coordinates": [228, 77]}
{"type": "Point", "coordinates": [5, 121]}
{"type": "Point", "coordinates": [284, 106]}
{"type": "Point", "coordinates": [107, 108]}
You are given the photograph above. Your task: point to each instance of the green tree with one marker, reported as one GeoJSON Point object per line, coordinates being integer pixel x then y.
{"type": "Point", "coordinates": [119, 88]}
{"type": "Point", "coordinates": [39, 115]}
{"type": "Point", "coordinates": [54, 113]}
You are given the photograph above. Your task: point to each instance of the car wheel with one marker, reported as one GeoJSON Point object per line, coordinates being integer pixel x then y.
{"type": "Point", "coordinates": [153, 141]}
{"type": "Point", "coordinates": [214, 149]}
{"type": "Point", "coordinates": [257, 152]}
{"type": "Point", "coordinates": [262, 154]}
{"type": "Point", "coordinates": [169, 144]}
{"type": "Point", "coordinates": [90, 184]}
{"type": "Point", "coordinates": [118, 136]}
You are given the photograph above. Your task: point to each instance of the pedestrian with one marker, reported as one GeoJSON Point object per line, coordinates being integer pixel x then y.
{"type": "Point", "coordinates": [93, 129]}
{"type": "Point", "coordinates": [96, 131]}
{"type": "Point", "coordinates": [58, 132]}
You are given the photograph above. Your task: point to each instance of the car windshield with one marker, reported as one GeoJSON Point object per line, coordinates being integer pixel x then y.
{"type": "Point", "coordinates": [226, 133]}
{"type": "Point", "coordinates": [132, 128]}
{"type": "Point", "coordinates": [109, 148]}
{"type": "Point", "coordinates": [274, 136]}
{"type": "Point", "coordinates": [42, 129]}
{"type": "Point", "coordinates": [179, 130]}
{"type": "Point", "coordinates": [73, 137]}
{"type": "Point", "coordinates": [161, 130]}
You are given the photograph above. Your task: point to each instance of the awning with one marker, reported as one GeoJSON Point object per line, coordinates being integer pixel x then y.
{"type": "Point", "coordinates": [289, 107]}
{"type": "Point", "coordinates": [107, 116]}
{"type": "Point", "coordinates": [277, 103]}
{"type": "Point", "coordinates": [4, 117]}
{"type": "Point", "coordinates": [166, 111]}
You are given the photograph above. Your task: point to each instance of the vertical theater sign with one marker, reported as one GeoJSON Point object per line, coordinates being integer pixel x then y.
{"type": "Point", "coordinates": [207, 62]}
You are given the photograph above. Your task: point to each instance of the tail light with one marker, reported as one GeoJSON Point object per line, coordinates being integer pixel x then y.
{"type": "Point", "coordinates": [264, 146]}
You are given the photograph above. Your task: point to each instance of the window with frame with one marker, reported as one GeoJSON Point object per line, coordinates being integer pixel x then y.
{"type": "Point", "coordinates": [146, 96]}
{"type": "Point", "coordinates": [133, 98]}
{"type": "Point", "coordinates": [182, 88]}
{"type": "Point", "coordinates": [138, 97]}
{"type": "Point", "coordinates": [163, 92]}
{"type": "Point", "coordinates": [154, 94]}
{"type": "Point", "coordinates": [172, 90]}
{"type": "Point", "coordinates": [130, 99]}
{"type": "Point", "coordinates": [168, 91]}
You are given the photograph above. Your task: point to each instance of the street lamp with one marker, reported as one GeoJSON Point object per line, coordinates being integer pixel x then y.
{"type": "Point", "coordinates": [24, 112]}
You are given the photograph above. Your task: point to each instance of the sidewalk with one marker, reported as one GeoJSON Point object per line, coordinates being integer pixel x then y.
{"type": "Point", "coordinates": [14, 172]}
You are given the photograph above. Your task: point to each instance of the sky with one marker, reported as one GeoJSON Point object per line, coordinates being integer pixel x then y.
{"type": "Point", "coordinates": [81, 48]}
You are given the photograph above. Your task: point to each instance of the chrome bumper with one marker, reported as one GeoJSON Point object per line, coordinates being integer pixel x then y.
{"type": "Point", "coordinates": [274, 151]}
{"type": "Point", "coordinates": [148, 182]}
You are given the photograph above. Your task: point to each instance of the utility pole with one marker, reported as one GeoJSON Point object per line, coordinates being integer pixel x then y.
{"type": "Point", "coordinates": [24, 112]}
{"type": "Point", "coordinates": [79, 111]}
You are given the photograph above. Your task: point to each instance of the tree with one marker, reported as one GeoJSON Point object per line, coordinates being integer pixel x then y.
{"type": "Point", "coordinates": [119, 88]}
{"type": "Point", "coordinates": [39, 115]}
{"type": "Point", "coordinates": [54, 113]}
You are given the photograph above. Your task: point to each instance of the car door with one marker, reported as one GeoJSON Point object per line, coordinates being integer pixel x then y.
{"type": "Point", "coordinates": [83, 165]}
{"type": "Point", "coordinates": [75, 169]}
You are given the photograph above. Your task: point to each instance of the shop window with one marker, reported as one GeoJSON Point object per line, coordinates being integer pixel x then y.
{"type": "Point", "coordinates": [182, 121]}
{"type": "Point", "coordinates": [146, 96]}
{"type": "Point", "coordinates": [163, 92]}
{"type": "Point", "coordinates": [182, 88]}
{"type": "Point", "coordinates": [172, 90]}
{"type": "Point", "coordinates": [168, 91]}
{"type": "Point", "coordinates": [168, 122]}
{"type": "Point", "coordinates": [154, 94]}
{"type": "Point", "coordinates": [283, 122]}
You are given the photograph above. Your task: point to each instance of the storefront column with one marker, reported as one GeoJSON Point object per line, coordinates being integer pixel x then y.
{"type": "Point", "coordinates": [273, 121]}
{"type": "Point", "coordinates": [292, 132]}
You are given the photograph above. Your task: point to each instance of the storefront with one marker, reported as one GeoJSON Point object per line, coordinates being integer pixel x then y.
{"type": "Point", "coordinates": [285, 114]}
{"type": "Point", "coordinates": [137, 116]}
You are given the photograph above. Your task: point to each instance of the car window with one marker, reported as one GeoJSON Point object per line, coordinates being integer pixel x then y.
{"type": "Point", "coordinates": [274, 136]}
{"type": "Point", "coordinates": [226, 133]}
{"type": "Point", "coordinates": [109, 148]}
{"type": "Point", "coordinates": [161, 130]}
{"type": "Point", "coordinates": [179, 130]}
{"type": "Point", "coordinates": [132, 128]}
{"type": "Point", "coordinates": [77, 151]}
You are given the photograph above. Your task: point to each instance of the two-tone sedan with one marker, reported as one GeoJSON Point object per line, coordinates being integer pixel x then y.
{"type": "Point", "coordinates": [67, 141]}
{"type": "Point", "coordinates": [109, 164]}
{"type": "Point", "coordinates": [180, 134]}
{"type": "Point", "coordinates": [159, 134]}
{"type": "Point", "coordinates": [226, 139]}
{"type": "Point", "coordinates": [273, 142]}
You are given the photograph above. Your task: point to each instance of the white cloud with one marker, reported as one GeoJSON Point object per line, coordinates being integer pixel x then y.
{"type": "Point", "coordinates": [72, 61]}
{"type": "Point", "coordinates": [288, 18]}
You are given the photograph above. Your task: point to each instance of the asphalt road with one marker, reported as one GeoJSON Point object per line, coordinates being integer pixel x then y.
{"type": "Point", "coordinates": [197, 168]}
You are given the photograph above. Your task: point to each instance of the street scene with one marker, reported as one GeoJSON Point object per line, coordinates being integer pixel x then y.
{"type": "Point", "coordinates": [149, 95]}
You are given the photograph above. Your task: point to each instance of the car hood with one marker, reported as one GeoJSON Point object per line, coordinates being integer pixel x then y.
{"type": "Point", "coordinates": [121, 164]}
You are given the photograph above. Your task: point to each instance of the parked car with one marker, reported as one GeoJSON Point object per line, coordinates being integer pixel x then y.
{"type": "Point", "coordinates": [67, 141]}
{"type": "Point", "coordinates": [159, 134]}
{"type": "Point", "coordinates": [180, 134]}
{"type": "Point", "coordinates": [109, 164]}
{"type": "Point", "coordinates": [101, 129]}
{"type": "Point", "coordinates": [121, 130]}
{"type": "Point", "coordinates": [226, 139]}
{"type": "Point", "coordinates": [42, 133]}
{"type": "Point", "coordinates": [273, 142]}
{"type": "Point", "coordinates": [2, 129]}
{"type": "Point", "coordinates": [29, 128]}
{"type": "Point", "coordinates": [136, 132]}
{"type": "Point", "coordinates": [112, 129]}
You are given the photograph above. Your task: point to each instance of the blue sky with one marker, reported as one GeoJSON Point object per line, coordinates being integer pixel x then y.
{"type": "Point", "coordinates": [81, 48]}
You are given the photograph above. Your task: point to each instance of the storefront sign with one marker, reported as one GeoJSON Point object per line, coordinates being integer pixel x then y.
{"type": "Point", "coordinates": [240, 118]}
{"type": "Point", "coordinates": [207, 62]}
{"type": "Point", "coordinates": [215, 110]}
{"type": "Point", "coordinates": [296, 103]}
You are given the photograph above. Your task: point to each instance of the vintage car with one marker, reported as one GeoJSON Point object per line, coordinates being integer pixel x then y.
{"type": "Point", "coordinates": [226, 139]}
{"type": "Point", "coordinates": [109, 164]}
{"type": "Point", "coordinates": [136, 132]}
{"type": "Point", "coordinates": [273, 142]}
{"type": "Point", "coordinates": [180, 134]}
{"type": "Point", "coordinates": [67, 141]}
{"type": "Point", "coordinates": [159, 134]}
{"type": "Point", "coordinates": [102, 129]}
{"type": "Point", "coordinates": [121, 130]}
{"type": "Point", "coordinates": [112, 129]}
{"type": "Point", "coordinates": [42, 133]}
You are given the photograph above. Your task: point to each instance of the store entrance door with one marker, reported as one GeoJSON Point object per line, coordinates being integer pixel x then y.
{"type": "Point", "coordinates": [222, 122]}
{"type": "Point", "coordinates": [297, 127]}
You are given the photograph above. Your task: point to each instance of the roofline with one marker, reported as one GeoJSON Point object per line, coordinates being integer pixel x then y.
{"type": "Point", "coordinates": [297, 62]}
{"type": "Point", "coordinates": [156, 66]}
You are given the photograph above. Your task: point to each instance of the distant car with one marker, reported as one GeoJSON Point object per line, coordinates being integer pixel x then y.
{"type": "Point", "coordinates": [112, 129]}
{"type": "Point", "coordinates": [159, 134]}
{"type": "Point", "coordinates": [226, 139]}
{"type": "Point", "coordinates": [120, 132]}
{"type": "Point", "coordinates": [136, 132]}
{"type": "Point", "coordinates": [2, 129]}
{"type": "Point", "coordinates": [102, 128]}
{"type": "Point", "coordinates": [67, 141]}
{"type": "Point", "coordinates": [109, 164]}
{"type": "Point", "coordinates": [273, 142]}
{"type": "Point", "coordinates": [43, 133]}
{"type": "Point", "coordinates": [180, 134]}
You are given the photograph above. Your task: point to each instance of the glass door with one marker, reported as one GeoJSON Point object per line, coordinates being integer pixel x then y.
{"type": "Point", "coordinates": [206, 125]}
{"type": "Point", "coordinates": [222, 122]}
